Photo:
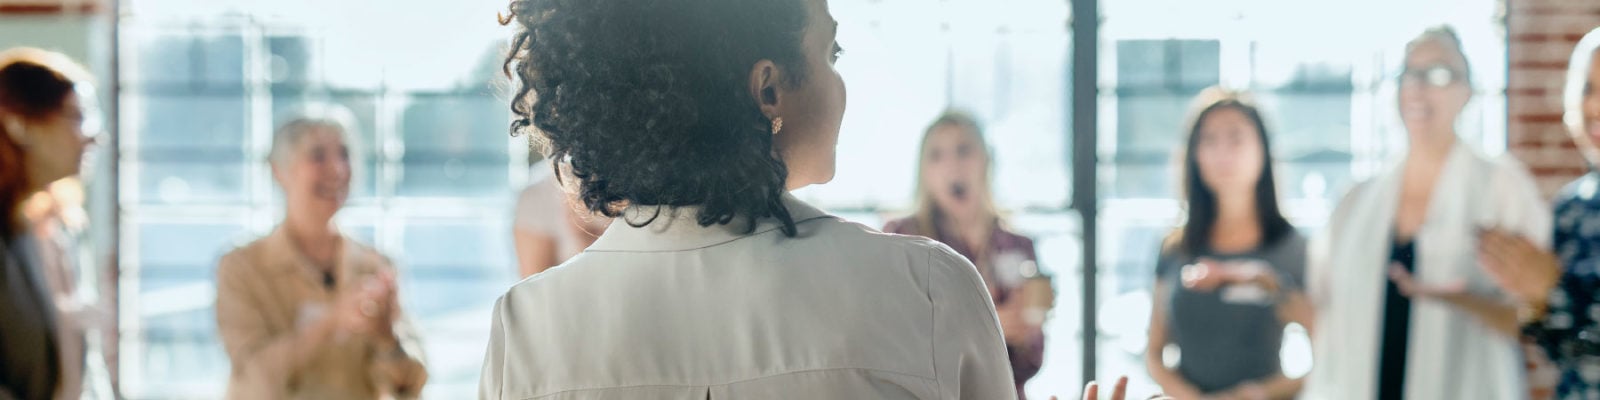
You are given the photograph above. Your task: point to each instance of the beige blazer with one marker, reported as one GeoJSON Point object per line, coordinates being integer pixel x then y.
{"type": "Point", "coordinates": [266, 292]}
{"type": "Point", "coordinates": [675, 310]}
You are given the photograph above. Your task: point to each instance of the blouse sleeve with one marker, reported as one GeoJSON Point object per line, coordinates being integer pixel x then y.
{"type": "Point", "coordinates": [1569, 303]}
{"type": "Point", "coordinates": [490, 379]}
{"type": "Point", "coordinates": [266, 360]}
{"type": "Point", "coordinates": [969, 354]}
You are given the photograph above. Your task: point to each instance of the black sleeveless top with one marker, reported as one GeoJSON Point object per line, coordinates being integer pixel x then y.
{"type": "Point", "coordinates": [1396, 325]}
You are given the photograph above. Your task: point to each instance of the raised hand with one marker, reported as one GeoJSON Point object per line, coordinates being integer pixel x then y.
{"type": "Point", "coordinates": [368, 309]}
{"type": "Point", "coordinates": [1410, 287]}
{"type": "Point", "coordinates": [1207, 275]}
{"type": "Point", "coordinates": [1118, 392]}
{"type": "Point", "coordinates": [1517, 265]}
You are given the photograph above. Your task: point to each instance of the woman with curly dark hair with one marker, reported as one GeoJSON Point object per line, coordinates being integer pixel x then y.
{"type": "Point", "coordinates": [689, 121]}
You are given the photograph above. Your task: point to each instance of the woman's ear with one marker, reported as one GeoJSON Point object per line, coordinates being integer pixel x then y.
{"type": "Point", "coordinates": [276, 170]}
{"type": "Point", "coordinates": [766, 86]}
{"type": "Point", "coordinates": [14, 128]}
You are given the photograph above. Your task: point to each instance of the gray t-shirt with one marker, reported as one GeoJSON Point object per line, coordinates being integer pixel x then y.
{"type": "Point", "coordinates": [1230, 335]}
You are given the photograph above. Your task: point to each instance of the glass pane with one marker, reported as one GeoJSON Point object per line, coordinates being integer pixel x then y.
{"type": "Point", "coordinates": [1006, 64]}
{"type": "Point", "coordinates": [176, 346]}
{"type": "Point", "coordinates": [190, 144]}
{"type": "Point", "coordinates": [455, 145]}
{"type": "Point", "coordinates": [291, 60]}
{"type": "Point", "coordinates": [194, 177]}
{"type": "Point", "coordinates": [205, 57]}
{"type": "Point", "coordinates": [1304, 122]}
{"type": "Point", "coordinates": [451, 273]}
{"type": "Point", "coordinates": [181, 117]}
{"type": "Point", "coordinates": [1323, 178]}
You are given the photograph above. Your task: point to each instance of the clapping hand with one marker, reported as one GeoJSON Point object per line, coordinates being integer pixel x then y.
{"type": "Point", "coordinates": [1206, 275]}
{"type": "Point", "coordinates": [1517, 265]}
{"type": "Point", "coordinates": [369, 309]}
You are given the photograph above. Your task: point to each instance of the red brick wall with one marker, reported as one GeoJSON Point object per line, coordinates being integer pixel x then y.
{"type": "Point", "coordinates": [50, 7]}
{"type": "Point", "coordinates": [1542, 34]}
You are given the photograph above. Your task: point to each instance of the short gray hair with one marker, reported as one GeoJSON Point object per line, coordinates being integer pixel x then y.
{"type": "Point", "coordinates": [306, 119]}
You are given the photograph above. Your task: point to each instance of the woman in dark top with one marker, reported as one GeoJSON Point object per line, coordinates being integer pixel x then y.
{"type": "Point", "coordinates": [42, 97]}
{"type": "Point", "coordinates": [956, 207]}
{"type": "Point", "coordinates": [1228, 280]}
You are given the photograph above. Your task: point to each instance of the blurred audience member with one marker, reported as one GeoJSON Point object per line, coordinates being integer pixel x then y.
{"type": "Point", "coordinates": [44, 102]}
{"type": "Point", "coordinates": [955, 206]}
{"type": "Point", "coordinates": [1405, 310]}
{"type": "Point", "coordinates": [1229, 280]}
{"type": "Point", "coordinates": [550, 226]}
{"type": "Point", "coordinates": [307, 312]}
{"type": "Point", "coordinates": [58, 220]}
{"type": "Point", "coordinates": [1562, 305]}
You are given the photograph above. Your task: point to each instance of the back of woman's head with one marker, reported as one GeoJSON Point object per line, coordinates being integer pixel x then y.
{"type": "Point", "coordinates": [34, 85]}
{"type": "Point", "coordinates": [647, 101]}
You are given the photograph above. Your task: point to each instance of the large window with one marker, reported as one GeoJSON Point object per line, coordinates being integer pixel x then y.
{"type": "Point", "coordinates": [203, 83]}
{"type": "Point", "coordinates": [1328, 96]}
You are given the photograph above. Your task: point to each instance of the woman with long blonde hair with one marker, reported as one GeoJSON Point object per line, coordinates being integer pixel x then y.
{"type": "Point", "coordinates": [955, 206]}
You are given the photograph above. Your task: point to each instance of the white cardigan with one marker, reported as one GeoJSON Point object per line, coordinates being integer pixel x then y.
{"type": "Point", "coordinates": [1451, 354]}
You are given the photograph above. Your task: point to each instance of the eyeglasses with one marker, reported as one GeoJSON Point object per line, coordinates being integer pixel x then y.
{"type": "Point", "coordinates": [1437, 76]}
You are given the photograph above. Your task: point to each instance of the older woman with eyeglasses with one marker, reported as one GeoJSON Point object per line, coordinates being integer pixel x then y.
{"type": "Point", "coordinates": [1405, 309]}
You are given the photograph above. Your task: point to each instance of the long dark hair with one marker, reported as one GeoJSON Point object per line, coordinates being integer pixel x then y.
{"type": "Point", "coordinates": [1201, 203]}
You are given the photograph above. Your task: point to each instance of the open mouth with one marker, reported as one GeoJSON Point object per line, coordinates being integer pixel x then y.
{"type": "Point", "coordinates": [959, 191]}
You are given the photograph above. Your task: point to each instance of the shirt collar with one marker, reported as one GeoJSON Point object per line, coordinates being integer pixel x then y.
{"type": "Point", "coordinates": [288, 259]}
{"type": "Point", "coordinates": [677, 228]}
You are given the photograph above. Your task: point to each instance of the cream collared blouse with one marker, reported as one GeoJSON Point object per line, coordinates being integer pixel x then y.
{"type": "Point", "coordinates": [675, 310]}
{"type": "Point", "coordinates": [267, 293]}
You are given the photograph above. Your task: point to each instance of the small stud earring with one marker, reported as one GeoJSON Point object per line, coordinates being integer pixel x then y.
{"type": "Point", "coordinates": [777, 125]}
{"type": "Point", "coordinates": [14, 129]}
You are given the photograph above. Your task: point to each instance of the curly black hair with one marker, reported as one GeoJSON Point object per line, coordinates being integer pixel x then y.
{"type": "Point", "coordinates": [646, 102]}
